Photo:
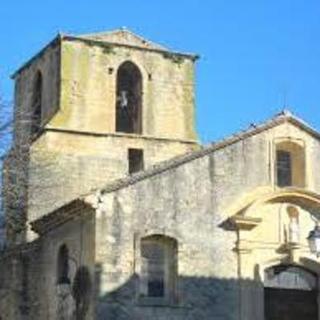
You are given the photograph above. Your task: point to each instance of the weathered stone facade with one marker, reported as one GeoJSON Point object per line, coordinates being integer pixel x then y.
{"type": "Point", "coordinates": [220, 269]}
{"type": "Point", "coordinates": [219, 213]}
{"type": "Point", "coordinates": [222, 206]}
{"type": "Point", "coordinates": [79, 148]}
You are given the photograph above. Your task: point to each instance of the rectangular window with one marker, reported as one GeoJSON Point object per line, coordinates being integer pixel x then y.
{"type": "Point", "coordinates": [158, 273]}
{"type": "Point", "coordinates": [284, 168]}
{"type": "Point", "coordinates": [135, 160]}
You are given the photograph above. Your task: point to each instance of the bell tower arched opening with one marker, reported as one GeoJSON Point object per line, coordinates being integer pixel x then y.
{"type": "Point", "coordinates": [129, 99]}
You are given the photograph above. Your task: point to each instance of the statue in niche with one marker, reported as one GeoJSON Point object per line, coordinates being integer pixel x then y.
{"type": "Point", "coordinates": [293, 227]}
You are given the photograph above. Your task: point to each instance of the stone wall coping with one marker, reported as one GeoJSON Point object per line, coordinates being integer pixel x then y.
{"type": "Point", "coordinates": [49, 221]}
{"type": "Point", "coordinates": [117, 134]}
{"type": "Point", "coordinates": [59, 216]}
{"type": "Point", "coordinates": [205, 150]}
{"type": "Point", "coordinates": [56, 40]}
{"type": "Point", "coordinates": [191, 56]}
{"type": "Point", "coordinates": [60, 37]}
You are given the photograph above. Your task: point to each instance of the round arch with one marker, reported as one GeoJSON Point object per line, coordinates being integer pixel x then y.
{"type": "Point", "coordinates": [290, 292]}
{"type": "Point", "coordinates": [248, 205]}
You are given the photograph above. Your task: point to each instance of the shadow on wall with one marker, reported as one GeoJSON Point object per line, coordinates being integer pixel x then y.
{"type": "Point", "coordinates": [197, 298]}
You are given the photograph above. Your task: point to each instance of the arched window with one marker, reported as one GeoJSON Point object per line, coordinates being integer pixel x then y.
{"type": "Point", "coordinates": [129, 99]}
{"type": "Point", "coordinates": [36, 108]}
{"type": "Point", "coordinates": [63, 265]}
{"type": "Point", "coordinates": [158, 267]}
{"type": "Point", "coordinates": [290, 164]}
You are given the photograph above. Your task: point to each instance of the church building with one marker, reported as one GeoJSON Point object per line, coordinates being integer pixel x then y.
{"type": "Point", "coordinates": [114, 210]}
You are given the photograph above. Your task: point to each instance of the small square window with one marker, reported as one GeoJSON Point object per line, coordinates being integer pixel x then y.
{"type": "Point", "coordinates": [135, 160]}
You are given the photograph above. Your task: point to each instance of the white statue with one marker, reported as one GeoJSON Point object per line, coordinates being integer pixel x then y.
{"type": "Point", "coordinates": [123, 99]}
{"type": "Point", "coordinates": [294, 229]}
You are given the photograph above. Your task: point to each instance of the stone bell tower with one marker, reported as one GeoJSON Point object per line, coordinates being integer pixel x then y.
{"type": "Point", "coordinates": [100, 106]}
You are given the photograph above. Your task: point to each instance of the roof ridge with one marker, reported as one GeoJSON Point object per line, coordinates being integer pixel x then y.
{"type": "Point", "coordinates": [125, 30]}
{"type": "Point", "coordinates": [103, 32]}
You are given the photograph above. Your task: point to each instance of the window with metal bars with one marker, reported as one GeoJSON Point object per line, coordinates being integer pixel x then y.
{"type": "Point", "coordinates": [158, 267]}
{"type": "Point", "coordinates": [284, 168]}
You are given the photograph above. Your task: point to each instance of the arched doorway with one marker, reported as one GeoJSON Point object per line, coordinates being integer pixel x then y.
{"type": "Point", "coordinates": [290, 293]}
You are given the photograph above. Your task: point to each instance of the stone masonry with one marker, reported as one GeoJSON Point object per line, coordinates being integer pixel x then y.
{"type": "Point", "coordinates": [216, 220]}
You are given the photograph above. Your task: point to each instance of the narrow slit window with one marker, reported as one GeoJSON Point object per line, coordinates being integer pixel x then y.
{"type": "Point", "coordinates": [36, 111]}
{"type": "Point", "coordinates": [284, 168]}
{"type": "Point", "coordinates": [135, 160]}
{"type": "Point", "coordinates": [63, 266]}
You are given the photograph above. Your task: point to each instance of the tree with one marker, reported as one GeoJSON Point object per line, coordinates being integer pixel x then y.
{"type": "Point", "coordinates": [24, 175]}
{"type": "Point", "coordinates": [5, 140]}
{"type": "Point", "coordinates": [14, 159]}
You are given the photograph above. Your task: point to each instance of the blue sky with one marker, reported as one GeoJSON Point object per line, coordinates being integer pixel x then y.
{"type": "Point", "coordinates": [255, 55]}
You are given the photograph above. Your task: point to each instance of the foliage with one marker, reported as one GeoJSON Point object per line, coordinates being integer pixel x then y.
{"type": "Point", "coordinates": [5, 140]}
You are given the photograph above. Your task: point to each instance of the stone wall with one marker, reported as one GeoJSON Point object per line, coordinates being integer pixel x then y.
{"type": "Point", "coordinates": [79, 149]}
{"type": "Point", "coordinates": [20, 297]}
{"type": "Point", "coordinates": [190, 199]}
{"type": "Point", "coordinates": [64, 166]}
{"type": "Point", "coordinates": [78, 235]}
{"type": "Point", "coordinates": [88, 90]}
{"type": "Point", "coordinates": [48, 63]}
{"type": "Point", "coordinates": [192, 203]}
{"type": "Point", "coordinates": [15, 170]}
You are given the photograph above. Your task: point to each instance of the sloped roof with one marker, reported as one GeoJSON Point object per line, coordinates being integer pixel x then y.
{"type": "Point", "coordinates": [59, 216]}
{"type": "Point", "coordinates": [125, 37]}
{"type": "Point", "coordinates": [283, 117]}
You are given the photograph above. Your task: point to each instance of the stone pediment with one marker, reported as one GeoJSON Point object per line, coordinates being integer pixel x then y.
{"type": "Point", "coordinates": [248, 215]}
{"type": "Point", "coordinates": [295, 196]}
{"type": "Point", "coordinates": [250, 203]}
{"type": "Point", "coordinates": [124, 37]}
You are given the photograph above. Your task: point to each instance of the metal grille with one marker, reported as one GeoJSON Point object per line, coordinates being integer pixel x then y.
{"type": "Point", "coordinates": [284, 168]}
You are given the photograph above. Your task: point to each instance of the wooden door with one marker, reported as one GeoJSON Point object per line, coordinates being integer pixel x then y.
{"type": "Point", "coordinates": [290, 294]}
{"type": "Point", "coordinates": [288, 304]}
